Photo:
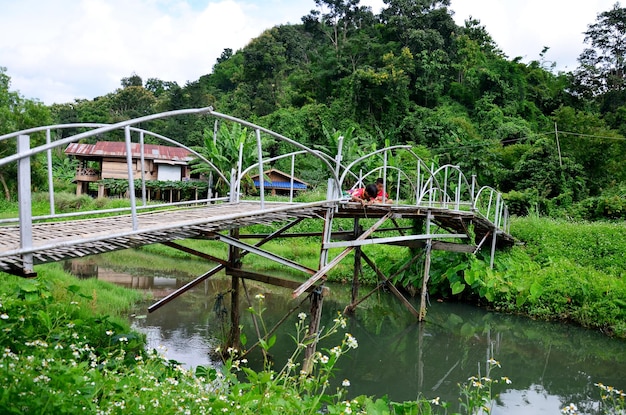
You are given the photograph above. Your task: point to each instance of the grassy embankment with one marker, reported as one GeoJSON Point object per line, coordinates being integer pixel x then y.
{"type": "Point", "coordinates": [568, 271]}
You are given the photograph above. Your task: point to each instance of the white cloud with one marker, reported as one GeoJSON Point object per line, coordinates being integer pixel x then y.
{"type": "Point", "coordinates": [83, 49]}
{"type": "Point", "coordinates": [58, 50]}
{"type": "Point", "coordinates": [523, 28]}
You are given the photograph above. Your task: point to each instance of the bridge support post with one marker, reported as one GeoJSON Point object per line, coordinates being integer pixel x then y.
{"type": "Point", "coordinates": [25, 205]}
{"type": "Point", "coordinates": [429, 243]}
{"type": "Point", "coordinates": [234, 259]}
{"type": "Point", "coordinates": [317, 299]}
{"type": "Point", "coordinates": [317, 296]}
{"type": "Point", "coordinates": [357, 265]}
{"type": "Point", "coordinates": [496, 223]}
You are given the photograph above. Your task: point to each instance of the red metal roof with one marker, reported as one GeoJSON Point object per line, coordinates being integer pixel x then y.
{"type": "Point", "coordinates": [118, 149]}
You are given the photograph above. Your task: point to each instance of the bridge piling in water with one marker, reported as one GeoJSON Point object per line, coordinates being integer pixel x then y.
{"type": "Point", "coordinates": [234, 262]}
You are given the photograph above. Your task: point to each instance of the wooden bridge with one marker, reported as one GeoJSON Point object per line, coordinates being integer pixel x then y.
{"type": "Point", "coordinates": [446, 211]}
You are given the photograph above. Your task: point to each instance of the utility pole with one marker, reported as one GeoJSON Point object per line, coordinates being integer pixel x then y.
{"type": "Point", "coordinates": [558, 146]}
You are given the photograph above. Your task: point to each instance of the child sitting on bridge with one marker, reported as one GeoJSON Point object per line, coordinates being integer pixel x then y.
{"type": "Point", "coordinates": [365, 195]}
{"type": "Point", "coordinates": [380, 191]}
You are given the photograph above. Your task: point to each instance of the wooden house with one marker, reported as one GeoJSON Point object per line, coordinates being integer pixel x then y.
{"type": "Point", "coordinates": [279, 182]}
{"type": "Point", "coordinates": [107, 160]}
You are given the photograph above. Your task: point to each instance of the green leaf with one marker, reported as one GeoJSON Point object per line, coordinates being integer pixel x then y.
{"type": "Point", "coordinates": [457, 287]}
{"type": "Point", "coordinates": [271, 341]}
{"type": "Point", "coordinates": [536, 289]}
{"type": "Point", "coordinates": [45, 319]}
{"type": "Point", "coordinates": [243, 338]}
{"type": "Point", "coordinates": [28, 286]}
{"type": "Point", "coordinates": [73, 288]}
{"type": "Point", "coordinates": [380, 407]}
{"type": "Point", "coordinates": [470, 276]}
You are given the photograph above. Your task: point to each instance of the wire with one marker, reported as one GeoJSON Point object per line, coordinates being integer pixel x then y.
{"type": "Point", "coordinates": [593, 136]}
{"type": "Point", "coordinates": [515, 140]}
{"type": "Point", "coordinates": [489, 142]}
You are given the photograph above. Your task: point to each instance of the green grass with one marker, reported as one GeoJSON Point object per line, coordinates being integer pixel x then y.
{"type": "Point", "coordinates": [104, 297]}
{"type": "Point", "coordinates": [597, 245]}
{"type": "Point", "coordinates": [567, 271]}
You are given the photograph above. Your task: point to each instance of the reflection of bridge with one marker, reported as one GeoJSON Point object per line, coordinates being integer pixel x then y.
{"type": "Point", "coordinates": [467, 217]}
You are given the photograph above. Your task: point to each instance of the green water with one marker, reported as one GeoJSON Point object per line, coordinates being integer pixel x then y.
{"type": "Point", "coordinates": [550, 365]}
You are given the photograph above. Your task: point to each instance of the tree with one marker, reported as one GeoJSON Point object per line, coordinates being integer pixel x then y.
{"type": "Point", "coordinates": [132, 80]}
{"type": "Point", "coordinates": [18, 113]}
{"type": "Point", "coordinates": [224, 152]}
{"type": "Point", "coordinates": [420, 24]}
{"type": "Point", "coordinates": [159, 87]}
{"type": "Point", "coordinates": [603, 65]}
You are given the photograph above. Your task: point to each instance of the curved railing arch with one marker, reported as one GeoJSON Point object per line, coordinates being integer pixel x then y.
{"type": "Point", "coordinates": [494, 211]}
{"type": "Point", "coordinates": [25, 152]}
{"type": "Point", "coordinates": [96, 130]}
{"type": "Point", "coordinates": [444, 185]}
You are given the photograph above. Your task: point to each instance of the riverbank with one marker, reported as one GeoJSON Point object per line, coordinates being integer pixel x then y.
{"type": "Point", "coordinates": [573, 272]}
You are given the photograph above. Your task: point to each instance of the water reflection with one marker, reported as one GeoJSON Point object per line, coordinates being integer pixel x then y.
{"type": "Point", "coordinates": [549, 364]}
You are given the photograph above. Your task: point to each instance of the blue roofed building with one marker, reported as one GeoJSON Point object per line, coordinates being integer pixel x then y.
{"type": "Point", "coordinates": [279, 183]}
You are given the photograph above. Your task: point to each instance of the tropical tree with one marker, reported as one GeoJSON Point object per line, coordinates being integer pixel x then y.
{"type": "Point", "coordinates": [223, 152]}
{"type": "Point", "coordinates": [603, 65]}
{"type": "Point", "coordinates": [18, 113]}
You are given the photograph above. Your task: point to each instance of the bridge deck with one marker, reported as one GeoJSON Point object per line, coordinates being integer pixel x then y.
{"type": "Point", "coordinates": [56, 241]}
{"type": "Point", "coordinates": [453, 221]}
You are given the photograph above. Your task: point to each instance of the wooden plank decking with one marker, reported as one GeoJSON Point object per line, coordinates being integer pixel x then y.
{"type": "Point", "coordinates": [56, 241]}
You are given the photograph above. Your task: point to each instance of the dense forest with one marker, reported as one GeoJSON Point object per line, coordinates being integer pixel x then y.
{"type": "Point", "coordinates": [553, 141]}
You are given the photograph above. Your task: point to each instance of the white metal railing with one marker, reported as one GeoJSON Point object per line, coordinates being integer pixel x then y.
{"type": "Point", "coordinates": [444, 187]}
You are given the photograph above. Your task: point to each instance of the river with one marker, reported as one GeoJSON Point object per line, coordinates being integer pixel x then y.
{"type": "Point", "coordinates": [549, 364]}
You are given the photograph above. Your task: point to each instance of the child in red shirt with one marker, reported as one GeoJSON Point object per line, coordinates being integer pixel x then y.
{"type": "Point", "coordinates": [365, 195]}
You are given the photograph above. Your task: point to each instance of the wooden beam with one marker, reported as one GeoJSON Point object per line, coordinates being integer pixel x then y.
{"type": "Point", "coordinates": [373, 241]}
{"type": "Point", "coordinates": [357, 263]}
{"type": "Point", "coordinates": [317, 300]}
{"type": "Point", "coordinates": [482, 242]}
{"type": "Point", "coordinates": [339, 235]}
{"type": "Point", "coordinates": [217, 269]}
{"type": "Point", "coordinates": [392, 287]}
{"type": "Point", "coordinates": [233, 242]}
{"type": "Point", "coordinates": [324, 270]}
{"type": "Point", "coordinates": [184, 288]}
{"type": "Point", "coordinates": [437, 246]}
{"type": "Point", "coordinates": [395, 222]}
{"type": "Point", "coordinates": [266, 279]}
{"type": "Point", "coordinates": [194, 252]}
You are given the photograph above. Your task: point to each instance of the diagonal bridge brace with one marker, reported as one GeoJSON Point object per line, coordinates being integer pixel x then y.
{"type": "Point", "coordinates": [218, 268]}
{"type": "Point", "coordinates": [324, 270]}
{"type": "Point", "coordinates": [262, 252]}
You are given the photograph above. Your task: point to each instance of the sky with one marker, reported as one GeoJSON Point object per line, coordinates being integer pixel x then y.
{"type": "Point", "coordinates": [57, 51]}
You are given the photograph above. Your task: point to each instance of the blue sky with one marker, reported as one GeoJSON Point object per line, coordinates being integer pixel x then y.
{"type": "Point", "coordinates": [59, 50]}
